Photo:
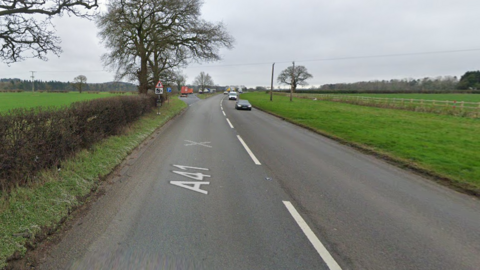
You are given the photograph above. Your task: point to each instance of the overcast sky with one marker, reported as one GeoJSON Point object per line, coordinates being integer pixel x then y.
{"type": "Point", "coordinates": [332, 39]}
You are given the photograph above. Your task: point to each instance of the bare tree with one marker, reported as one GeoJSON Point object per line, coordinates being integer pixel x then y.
{"type": "Point", "coordinates": [149, 37]}
{"type": "Point", "coordinates": [79, 82]}
{"type": "Point", "coordinates": [180, 80]}
{"type": "Point", "coordinates": [203, 80]}
{"type": "Point", "coordinates": [295, 77]}
{"type": "Point", "coordinates": [22, 28]}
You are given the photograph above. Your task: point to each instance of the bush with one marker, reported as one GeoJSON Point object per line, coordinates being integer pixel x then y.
{"type": "Point", "coordinates": [35, 139]}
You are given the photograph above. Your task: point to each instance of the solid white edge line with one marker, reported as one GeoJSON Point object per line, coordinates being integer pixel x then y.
{"type": "Point", "coordinates": [229, 123]}
{"type": "Point", "coordinates": [255, 160]}
{"type": "Point", "coordinates": [327, 258]}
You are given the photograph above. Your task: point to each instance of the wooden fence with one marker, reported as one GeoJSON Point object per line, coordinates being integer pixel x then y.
{"type": "Point", "coordinates": [404, 101]}
{"type": "Point", "coordinates": [451, 107]}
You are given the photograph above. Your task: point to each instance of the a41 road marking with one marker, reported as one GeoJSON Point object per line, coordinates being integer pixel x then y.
{"type": "Point", "coordinates": [191, 185]}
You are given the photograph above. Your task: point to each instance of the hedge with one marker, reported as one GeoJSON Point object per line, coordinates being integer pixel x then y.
{"type": "Point", "coordinates": [39, 138]}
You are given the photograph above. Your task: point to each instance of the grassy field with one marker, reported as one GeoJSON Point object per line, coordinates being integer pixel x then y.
{"type": "Point", "coordinates": [10, 101]}
{"type": "Point", "coordinates": [444, 145]}
{"type": "Point", "coordinates": [43, 205]}
{"type": "Point", "coordinates": [452, 97]}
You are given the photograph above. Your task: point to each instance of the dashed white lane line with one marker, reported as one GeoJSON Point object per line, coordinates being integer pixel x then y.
{"type": "Point", "coordinates": [224, 113]}
{"type": "Point", "coordinates": [327, 258]}
{"type": "Point", "coordinates": [254, 158]}
{"type": "Point", "coordinates": [229, 123]}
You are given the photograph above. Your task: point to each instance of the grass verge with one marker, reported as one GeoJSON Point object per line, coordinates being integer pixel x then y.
{"type": "Point", "coordinates": [442, 146]}
{"type": "Point", "coordinates": [204, 96]}
{"type": "Point", "coordinates": [30, 213]}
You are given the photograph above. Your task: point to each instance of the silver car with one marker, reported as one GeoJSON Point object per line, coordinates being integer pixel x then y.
{"type": "Point", "coordinates": [232, 96]}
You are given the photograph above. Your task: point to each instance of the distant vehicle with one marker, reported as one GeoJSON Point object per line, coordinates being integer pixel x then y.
{"type": "Point", "coordinates": [232, 96]}
{"type": "Point", "coordinates": [210, 90]}
{"type": "Point", "coordinates": [225, 93]}
{"type": "Point", "coordinates": [184, 91]}
{"type": "Point", "coordinates": [243, 104]}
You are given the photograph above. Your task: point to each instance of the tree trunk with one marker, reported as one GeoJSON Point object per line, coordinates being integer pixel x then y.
{"type": "Point", "coordinates": [293, 82]}
{"type": "Point", "coordinates": [143, 76]}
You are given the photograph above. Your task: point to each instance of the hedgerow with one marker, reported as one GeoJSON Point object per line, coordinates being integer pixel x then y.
{"type": "Point", "coordinates": [39, 138]}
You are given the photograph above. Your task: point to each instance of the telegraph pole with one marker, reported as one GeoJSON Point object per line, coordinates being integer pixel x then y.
{"type": "Point", "coordinates": [271, 88]}
{"type": "Point", "coordinates": [293, 81]}
{"type": "Point", "coordinates": [33, 79]}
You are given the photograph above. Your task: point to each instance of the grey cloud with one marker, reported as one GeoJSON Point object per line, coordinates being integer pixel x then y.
{"type": "Point", "coordinates": [281, 31]}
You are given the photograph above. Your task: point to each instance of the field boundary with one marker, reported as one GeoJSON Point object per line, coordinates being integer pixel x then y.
{"type": "Point", "coordinates": [396, 161]}
{"type": "Point", "coordinates": [448, 107]}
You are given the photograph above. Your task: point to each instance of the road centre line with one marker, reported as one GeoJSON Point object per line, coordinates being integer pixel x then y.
{"type": "Point", "coordinates": [254, 158]}
{"type": "Point", "coordinates": [224, 113]}
{"type": "Point", "coordinates": [229, 123]}
{"type": "Point", "coordinates": [327, 258]}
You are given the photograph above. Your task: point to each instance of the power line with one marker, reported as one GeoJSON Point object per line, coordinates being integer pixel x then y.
{"type": "Point", "coordinates": [286, 62]}
{"type": "Point", "coordinates": [391, 55]}
{"type": "Point", "coordinates": [46, 71]}
{"type": "Point", "coordinates": [56, 71]}
{"type": "Point", "coordinates": [344, 58]}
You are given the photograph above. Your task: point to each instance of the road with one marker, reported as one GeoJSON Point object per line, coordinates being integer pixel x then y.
{"type": "Point", "coordinates": [224, 189]}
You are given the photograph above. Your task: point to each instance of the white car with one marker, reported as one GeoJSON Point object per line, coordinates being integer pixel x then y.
{"type": "Point", "coordinates": [232, 96]}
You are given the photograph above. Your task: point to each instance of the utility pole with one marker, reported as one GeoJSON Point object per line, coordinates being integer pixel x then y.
{"type": "Point", "coordinates": [271, 88]}
{"type": "Point", "coordinates": [33, 79]}
{"type": "Point", "coordinates": [293, 81]}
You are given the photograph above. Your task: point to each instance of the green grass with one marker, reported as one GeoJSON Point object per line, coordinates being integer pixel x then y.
{"type": "Point", "coordinates": [10, 101]}
{"type": "Point", "coordinates": [452, 97]}
{"type": "Point", "coordinates": [204, 96]}
{"type": "Point", "coordinates": [445, 145]}
{"type": "Point", "coordinates": [27, 209]}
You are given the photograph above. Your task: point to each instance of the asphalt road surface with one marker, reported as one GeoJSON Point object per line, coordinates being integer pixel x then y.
{"type": "Point", "coordinates": [219, 188]}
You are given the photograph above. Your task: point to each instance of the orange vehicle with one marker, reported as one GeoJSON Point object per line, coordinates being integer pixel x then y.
{"type": "Point", "coordinates": [185, 91]}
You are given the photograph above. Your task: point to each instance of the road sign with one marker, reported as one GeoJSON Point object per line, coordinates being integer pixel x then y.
{"type": "Point", "coordinates": [169, 90]}
{"type": "Point", "coordinates": [158, 91]}
{"type": "Point", "coordinates": [159, 84]}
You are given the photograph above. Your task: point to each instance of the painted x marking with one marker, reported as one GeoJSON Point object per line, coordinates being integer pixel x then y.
{"type": "Point", "coordinates": [198, 143]}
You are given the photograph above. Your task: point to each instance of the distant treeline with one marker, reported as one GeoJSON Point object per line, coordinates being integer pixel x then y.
{"type": "Point", "coordinates": [26, 85]}
{"type": "Point", "coordinates": [437, 84]}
